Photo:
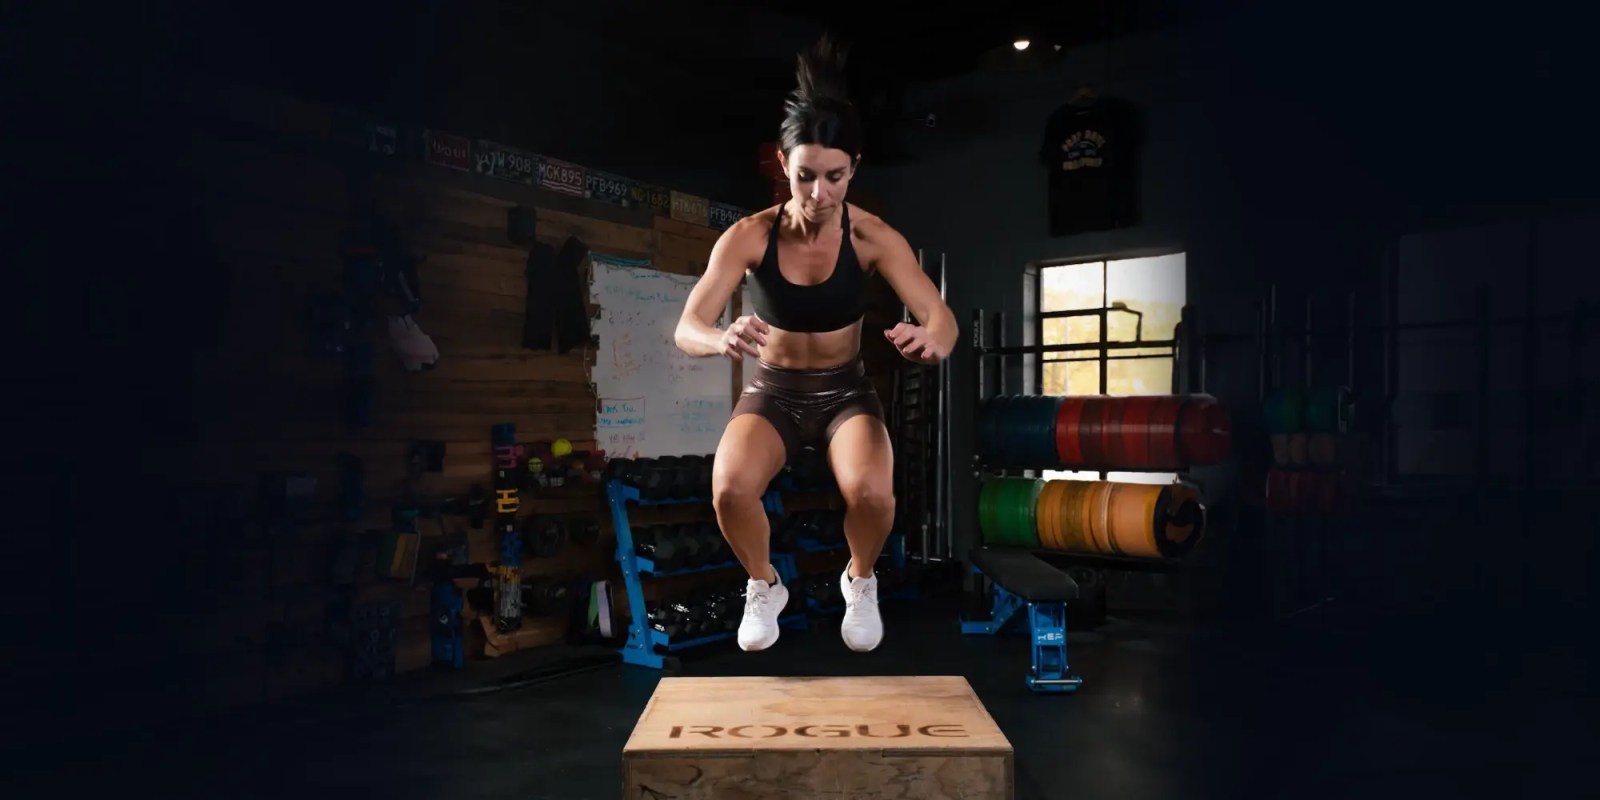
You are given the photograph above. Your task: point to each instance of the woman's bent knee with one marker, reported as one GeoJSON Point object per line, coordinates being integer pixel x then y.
{"type": "Point", "coordinates": [751, 452]}
{"type": "Point", "coordinates": [734, 493]}
{"type": "Point", "coordinates": [870, 497]}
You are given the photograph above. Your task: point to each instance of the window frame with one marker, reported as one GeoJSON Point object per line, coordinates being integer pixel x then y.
{"type": "Point", "coordinates": [1033, 327]}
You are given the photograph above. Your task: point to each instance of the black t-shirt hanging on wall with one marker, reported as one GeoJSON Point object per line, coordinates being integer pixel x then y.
{"type": "Point", "coordinates": [1089, 150]}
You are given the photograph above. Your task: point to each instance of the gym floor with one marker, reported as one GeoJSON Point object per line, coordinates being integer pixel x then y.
{"type": "Point", "coordinates": [1318, 708]}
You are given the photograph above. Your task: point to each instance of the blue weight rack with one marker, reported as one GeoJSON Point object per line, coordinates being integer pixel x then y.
{"type": "Point", "coordinates": [644, 642]}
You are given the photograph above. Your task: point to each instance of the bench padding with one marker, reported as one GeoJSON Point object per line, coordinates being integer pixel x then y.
{"type": "Point", "coordinates": [1023, 574]}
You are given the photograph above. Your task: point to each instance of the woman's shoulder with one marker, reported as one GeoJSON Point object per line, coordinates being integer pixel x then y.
{"type": "Point", "coordinates": [756, 221]}
{"type": "Point", "coordinates": [752, 228]}
{"type": "Point", "coordinates": [868, 227]}
{"type": "Point", "coordinates": [866, 220]}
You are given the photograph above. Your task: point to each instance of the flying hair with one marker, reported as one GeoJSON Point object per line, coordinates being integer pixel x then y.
{"type": "Point", "coordinates": [819, 110]}
{"type": "Point", "coordinates": [819, 73]}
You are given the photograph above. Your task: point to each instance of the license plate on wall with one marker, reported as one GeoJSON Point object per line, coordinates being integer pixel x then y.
{"type": "Point", "coordinates": [607, 188]}
{"type": "Point", "coordinates": [449, 150]}
{"type": "Point", "coordinates": [561, 176]}
{"type": "Point", "coordinates": [506, 163]}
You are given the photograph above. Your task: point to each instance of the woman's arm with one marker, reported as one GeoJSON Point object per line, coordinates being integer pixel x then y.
{"type": "Point", "coordinates": [935, 336]}
{"type": "Point", "coordinates": [697, 333]}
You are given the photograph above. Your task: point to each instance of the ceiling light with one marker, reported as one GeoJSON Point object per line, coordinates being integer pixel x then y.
{"type": "Point", "coordinates": [1020, 44]}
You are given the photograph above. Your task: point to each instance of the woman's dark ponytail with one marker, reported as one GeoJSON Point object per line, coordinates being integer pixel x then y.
{"type": "Point", "coordinates": [819, 72]}
{"type": "Point", "coordinates": [819, 110]}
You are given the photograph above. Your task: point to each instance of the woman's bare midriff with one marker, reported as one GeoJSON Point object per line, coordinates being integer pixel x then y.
{"type": "Point", "coordinates": [811, 350]}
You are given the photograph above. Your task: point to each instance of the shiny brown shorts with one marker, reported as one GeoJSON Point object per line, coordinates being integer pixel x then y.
{"type": "Point", "coordinates": [808, 405]}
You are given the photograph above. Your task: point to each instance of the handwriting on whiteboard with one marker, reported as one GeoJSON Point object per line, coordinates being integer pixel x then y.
{"type": "Point", "coordinates": [623, 359]}
{"type": "Point", "coordinates": [656, 399]}
{"type": "Point", "coordinates": [702, 415]}
{"type": "Point", "coordinates": [621, 413]}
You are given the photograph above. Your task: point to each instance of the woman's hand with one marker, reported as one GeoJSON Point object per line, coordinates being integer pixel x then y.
{"type": "Point", "coordinates": [917, 344]}
{"type": "Point", "coordinates": [742, 336]}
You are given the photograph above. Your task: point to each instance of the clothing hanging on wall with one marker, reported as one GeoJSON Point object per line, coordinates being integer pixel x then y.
{"type": "Point", "coordinates": [1090, 147]}
{"type": "Point", "coordinates": [555, 299]}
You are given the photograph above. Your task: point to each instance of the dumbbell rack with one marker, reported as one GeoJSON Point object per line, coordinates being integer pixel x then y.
{"type": "Point", "coordinates": [644, 642]}
{"type": "Point", "coordinates": [894, 548]}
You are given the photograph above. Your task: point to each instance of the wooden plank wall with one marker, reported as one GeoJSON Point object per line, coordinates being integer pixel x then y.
{"type": "Point", "coordinates": [278, 197]}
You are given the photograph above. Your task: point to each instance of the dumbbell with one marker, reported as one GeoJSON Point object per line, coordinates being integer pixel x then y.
{"type": "Point", "coordinates": [543, 535]}
{"type": "Point", "coordinates": [690, 622]}
{"type": "Point", "coordinates": [715, 548]}
{"type": "Point", "coordinates": [710, 541]}
{"type": "Point", "coordinates": [654, 477]}
{"type": "Point", "coordinates": [722, 608]}
{"type": "Point", "coordinates": [664, 618]}
{"type": "Point", "coordinates": [657, 543]}
{"type": "Point", "coordinates": [730, 601]}
{"type": "Point", "coordinates": [545, 595]}
{"type": "Point", "coordinates": [686, 476]}
{"type": "Point", "coordinates": [645, 545]}
{"type": "Point", "coordinates": [784, 533]}
{"type": "Point", "coordinates": [696, 618]}
{"type": "Point", "coordinates": [724, 552]}
{"type": "Point", "coordinates": [718, 616]}
{"type": "Point", "coordinates": [620, 470]}
{"type": "Point", "coordinates": [696, 548]}
{"type": "Point", "coordinates": [667, 467]}
{"type": "Point", "coordinates": [633, 473]}
{"type": "Point", "coordinates": [703, 479]}
{"type": "Point", "coordinates": [669, 479]}
{"type": "Point", "coordinates": [829, 526]}
{"type": "Point", "coordinates": [688, 545]}
{"type": "Point", "coordinates": [582, 529]}
{"type": "Point", "coordinates": [689, 549]}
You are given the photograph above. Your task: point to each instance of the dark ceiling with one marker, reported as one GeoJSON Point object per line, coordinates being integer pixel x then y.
{"type": "Point", "coordinates": [748, 44]}
{"type": "Point", "coordinates": [928, 44]}
{"type": "Point", "coordinates": [483, 64]}
{"type": "Point", "coordinates": [743, 35]}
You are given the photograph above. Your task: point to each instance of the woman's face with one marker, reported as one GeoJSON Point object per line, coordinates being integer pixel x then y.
{"type": "Point", "coordinates": [818, 178]}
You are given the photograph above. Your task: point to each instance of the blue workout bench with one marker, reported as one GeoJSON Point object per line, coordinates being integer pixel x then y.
{"type": "Point", "coordinates": [1022, 581]}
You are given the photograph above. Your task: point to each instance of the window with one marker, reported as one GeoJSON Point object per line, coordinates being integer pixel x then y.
{"type": "Point", "coordinates": [1104, 309]}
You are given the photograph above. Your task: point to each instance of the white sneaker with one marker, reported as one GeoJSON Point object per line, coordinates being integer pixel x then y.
{"type": "Point", "coordinates": [862, 628]}
{"type": "Point", "coordinates": [762, 605]}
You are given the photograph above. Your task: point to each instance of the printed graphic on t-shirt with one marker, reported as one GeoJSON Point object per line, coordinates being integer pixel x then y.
{"type": "Point", "coordinates": [1083, 149]}
{"type": "Point", "coordinates": [1087, 152]}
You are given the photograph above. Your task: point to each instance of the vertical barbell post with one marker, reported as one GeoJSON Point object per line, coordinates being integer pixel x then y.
{"type": "Point", "coordinates": [942, 460]}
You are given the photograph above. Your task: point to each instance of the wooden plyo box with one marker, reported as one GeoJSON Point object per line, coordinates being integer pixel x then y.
{"type": "Point", "coordinates": [922, 737]}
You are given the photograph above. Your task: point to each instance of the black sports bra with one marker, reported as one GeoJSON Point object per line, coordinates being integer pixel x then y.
{"type": "Point", "coordinates": [830, 305]}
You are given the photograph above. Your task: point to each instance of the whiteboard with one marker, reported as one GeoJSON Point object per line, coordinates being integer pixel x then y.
{"type": "Point", "coordinates": [654, 399]}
